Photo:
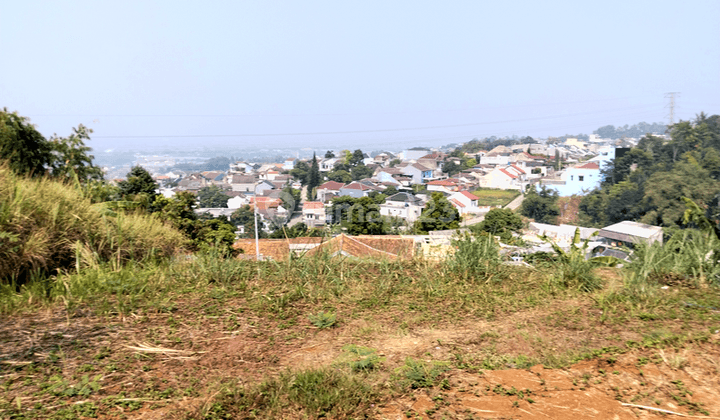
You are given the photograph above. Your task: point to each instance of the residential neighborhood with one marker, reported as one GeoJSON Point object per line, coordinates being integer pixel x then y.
{"type": "Point", "coordinates": [400, 184]}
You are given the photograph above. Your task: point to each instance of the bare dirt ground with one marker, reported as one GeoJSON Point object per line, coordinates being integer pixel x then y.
{"type": "Point", "coordinates": [74, 365]}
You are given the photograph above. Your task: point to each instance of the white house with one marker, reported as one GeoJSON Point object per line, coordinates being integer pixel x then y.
{"type": "Point", "coordinates": [327, 165]}
{"type": "Point", "coordinates": [328, 190]}
{"type": "Point", "coordinates": [415, 153]}
{"type": "Point", "coordinates": [495, 159]}
{"type": "Point", "coordinates": [419, 173]}
{"type": "Point", "coordinates": [509, 177]}
{"type": "Point", "coordinates": [403, 205]}
{"type": "Point", "coordinates": [313, 213]}
{"type": "Point", "coordinates": [576, 180]}
{"type": "Point", "coordinates": [465, 202]}
{"type": "Point", "coordinates": [243, 183]}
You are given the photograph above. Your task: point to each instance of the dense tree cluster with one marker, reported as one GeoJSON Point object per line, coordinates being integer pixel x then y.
{"type": "Point", "coordinates": [635, 131]}
{"type": "Point", "coordinates": [212, 197]}
{"type": "Point", "coordinates": [648, 183]}
{"type": "Point", "coordinates": [28, 152]}
{"type": "Point", "coordinates": [351, 168]}
{"type": "Point", "coordinates": [540, 205]}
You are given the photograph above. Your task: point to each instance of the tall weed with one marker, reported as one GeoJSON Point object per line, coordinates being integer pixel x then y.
{"type": "Point", "coordinates": [690, 258]}
{"type": "Point", "coordinates": [475, 257]}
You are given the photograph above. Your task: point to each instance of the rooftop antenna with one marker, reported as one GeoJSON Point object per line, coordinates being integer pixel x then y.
{"type": "Point", "coordinates": [671, 105]}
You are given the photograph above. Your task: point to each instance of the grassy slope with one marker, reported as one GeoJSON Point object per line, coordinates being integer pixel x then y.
{"type": "Point", "coordinates": [211, 338]}
{"type": "Point", "coordinates": [47, 226]}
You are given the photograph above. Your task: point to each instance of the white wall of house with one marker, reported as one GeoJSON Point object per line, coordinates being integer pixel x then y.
{"type": "Point", "coordinates": [407, 211]}
{"type": "Point", "coordinates": [494, 160]}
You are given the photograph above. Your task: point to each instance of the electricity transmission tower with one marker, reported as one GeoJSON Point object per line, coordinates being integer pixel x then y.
{"type": "Point", "coordinates": [671, 105]}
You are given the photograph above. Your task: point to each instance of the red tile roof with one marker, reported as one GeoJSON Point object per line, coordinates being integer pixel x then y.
{"type": "Point", "coordinates": [357, 186]}
{"type": "Point", "coordinates": [331, 185]}
{"type": "Point", "coordinates": [443, 182]}
{"type": "Point", "coordinates": [457, 203]}
{"type": "Point", "coordinates": [309, 205]}
{"type": "Point", "coordinates": [469, 195]}
{"type": "Point", "coordinates": [589, 165]}
{"type": "Point", "coordinates": [508, 173]}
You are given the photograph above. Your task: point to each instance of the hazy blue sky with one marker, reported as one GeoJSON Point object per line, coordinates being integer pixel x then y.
{"type": "Point", "coordinates": [238, 68]}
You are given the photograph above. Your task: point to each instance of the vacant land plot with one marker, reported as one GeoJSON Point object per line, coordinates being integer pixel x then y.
{"type": "Point", "coordinates": [494, 197]}
{"type": "Point", "coordinates": [209, 338]}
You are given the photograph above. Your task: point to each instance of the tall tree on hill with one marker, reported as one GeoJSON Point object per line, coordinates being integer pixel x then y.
{"type": "Point", "coordinates": [139, 186]}
{"type": "Point", "coordinates": [29, 153]}
{"type": "Point", "coordinates": [71, 158]}
{"type": "Point", "coordinates": [25, 149]}
{"type": "Point", "coordinates": [313, 178]}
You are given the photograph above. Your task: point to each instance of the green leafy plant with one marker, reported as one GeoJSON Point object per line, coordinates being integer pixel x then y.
{"type": "Point", "coordinates": [573, 269]}
{"type": "Point", "coordinates": [323, 319]}
{"type": "Point", "coordinates": [418, 374]}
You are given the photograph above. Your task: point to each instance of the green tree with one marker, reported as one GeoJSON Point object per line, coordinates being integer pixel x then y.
{"type": "Point", "coordinates": [357, 158]}
{"type": "Point", "coordinates": [360, 216]}
{"type": "Point", "coordinates": [664, 199]}
{"type": "Point", "coordinates": [340, 176]}
{"type": "Point", "coordinates": [540, 205]}
{"type": "Point", "coordinates": [22, 146]}
{"type": "Point", "coordinates": [290, 198]}
{"type": "Point", "coordinates": [139, 186]}
{"type": "Point", "coordinates": [204, 233]}
{"type": "Point", "coordinates": [29, 153]}
{"type": "Point", "coordinates": [390, 190]}
{"type": "Point", "coordinates": [365, 218]}
{"type": "Point", "coordinates": [313, 178]}
{"type": "Point", "coordinates": [212, 197]}
{"type": "Point", "coordinates": [329, 154]}
{"type": "Point", "coordinates": [468, 163]}
{"type": "Point", "coordinates": [438, 214]}
{"type": "Point", "coordinates": [451, 168]}
{"type": "Point", "coordinates": [361, 172]}
{"type": "Point", "coordinates": [339, 208]}
{"type": "Point", "coordinates": [71, 157]}
{"type": "Point", "coordinates": [295, 231]}
{"type": "Point", "coordinates": [300, 172]}
{"type": "Point", "coordinates": [244, 216]}
{"type": "Point", "coordinates": [500, 222]}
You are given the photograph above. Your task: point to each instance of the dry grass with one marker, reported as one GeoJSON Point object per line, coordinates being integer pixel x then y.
{"type": "Point", "coordinates": [49, 226]}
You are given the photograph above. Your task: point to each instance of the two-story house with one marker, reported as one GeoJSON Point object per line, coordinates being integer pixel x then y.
{"type": "Point", "coordinates": [419, 173]}
{"type": "Point", "coordinates": [313, 213]}
{"type": "Point", "coordinates": [577, 180]}
{"type": "Point", "coordinates": [403, 205]}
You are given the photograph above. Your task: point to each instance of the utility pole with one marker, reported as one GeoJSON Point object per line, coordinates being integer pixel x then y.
{"type": "Point", "coordinates": [671, 105]}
